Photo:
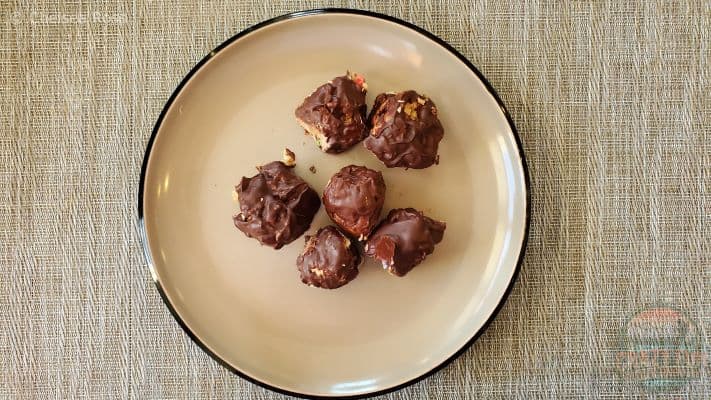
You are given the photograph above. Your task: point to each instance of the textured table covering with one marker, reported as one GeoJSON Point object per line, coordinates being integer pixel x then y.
{"type": "Point", "coordinates": [613, 104]}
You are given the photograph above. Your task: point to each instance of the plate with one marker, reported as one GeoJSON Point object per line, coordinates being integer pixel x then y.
{"type": "Point", "coordinates": [243, 303]}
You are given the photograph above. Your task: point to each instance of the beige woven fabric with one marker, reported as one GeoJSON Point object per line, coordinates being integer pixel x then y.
{"type": "Point", "coordinates": [613, 104]}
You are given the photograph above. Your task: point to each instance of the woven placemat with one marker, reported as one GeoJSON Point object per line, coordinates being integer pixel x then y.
{"type": "Point", "coordinates": [613, 104]}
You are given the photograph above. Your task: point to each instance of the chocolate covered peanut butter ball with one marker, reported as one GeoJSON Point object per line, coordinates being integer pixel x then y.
{"type": "Point", "coordinates": [354, 198]}
{"type": "Point", "coordinates": [276, 205]}
{"type": "Point", "coordinates": [329, 259]}
{"type": "Point", "coordinates": [335, 113]}
{"type": "Point", "coordinates": [405, 130]}
{"type": "Point", "coordinates": [403, 240]}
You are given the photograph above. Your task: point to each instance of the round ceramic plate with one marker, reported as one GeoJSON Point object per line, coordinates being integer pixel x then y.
{"type": "Point", "coordinates": [244, 303]}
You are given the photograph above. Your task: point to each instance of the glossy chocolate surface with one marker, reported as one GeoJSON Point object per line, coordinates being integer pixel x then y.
{"type": "Point", "coordinates": [403, 240]}
{"type": "Point", "coordinates": [354, 198]}
{"type": "Point", "coordinates": [329, 259]}
{"type": "Point", "coordinates": [276, 205]}
{"type": "Point", "coordinates": [335, 113]}
{"type": "Point", "coordinates": [405, 130]}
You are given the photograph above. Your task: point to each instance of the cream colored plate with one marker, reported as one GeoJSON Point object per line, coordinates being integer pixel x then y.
{"type": "Point", "coordinates": [244, 303]}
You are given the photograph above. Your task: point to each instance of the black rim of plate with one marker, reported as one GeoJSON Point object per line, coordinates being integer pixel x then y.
{"type": "Point", "coordinates": [432, 37]}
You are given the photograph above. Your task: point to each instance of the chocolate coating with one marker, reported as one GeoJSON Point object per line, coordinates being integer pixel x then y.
{"type": "Point", "coordinates": [335, 113]}
{"type": "Point", "coordinates": [328, 260]}
{"type": "Point", "coordinates": [276, 205]}
{"type": "Point", "coordinates": [405, 130]}
{"type": "Point", "coordinates": [354, 198]}
{"type": "Point", "coordinates": [404, 239]}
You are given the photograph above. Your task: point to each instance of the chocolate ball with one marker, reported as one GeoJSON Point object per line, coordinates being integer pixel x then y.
{"type": "Point", "coordinates": [276, 205]}
{"type": "Point", "coordinates": [334, 114]}
{"type": "Point", "coordinates": [405, 131]}
{"type": "Point", "coordinates": [329, 259]}
{"type": "Point", "coordinates": [403, 240]}
{"type": "Point", "coordinates": [354, 198]}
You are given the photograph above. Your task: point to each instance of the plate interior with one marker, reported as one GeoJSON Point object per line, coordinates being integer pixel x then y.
{"type": "Point", "coordinates": [245, 302]}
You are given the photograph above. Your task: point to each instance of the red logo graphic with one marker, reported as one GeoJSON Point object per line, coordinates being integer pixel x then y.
{"type": "Point", "coordinates": [661, 348]}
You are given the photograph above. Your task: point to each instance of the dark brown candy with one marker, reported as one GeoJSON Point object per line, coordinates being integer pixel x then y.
{"type": "Point", "coordinates": [405, 130]}
{"type": "Point", "coordinates": [329, 260]}
{"type": "Point", "coordinates": [404, 239]}
{"type": "Point", "coordinates": [276, 205]}
{"type": "Point", "coordinates": [354, 198]}
{"type": "Point", "coordinates": [334, 114]}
